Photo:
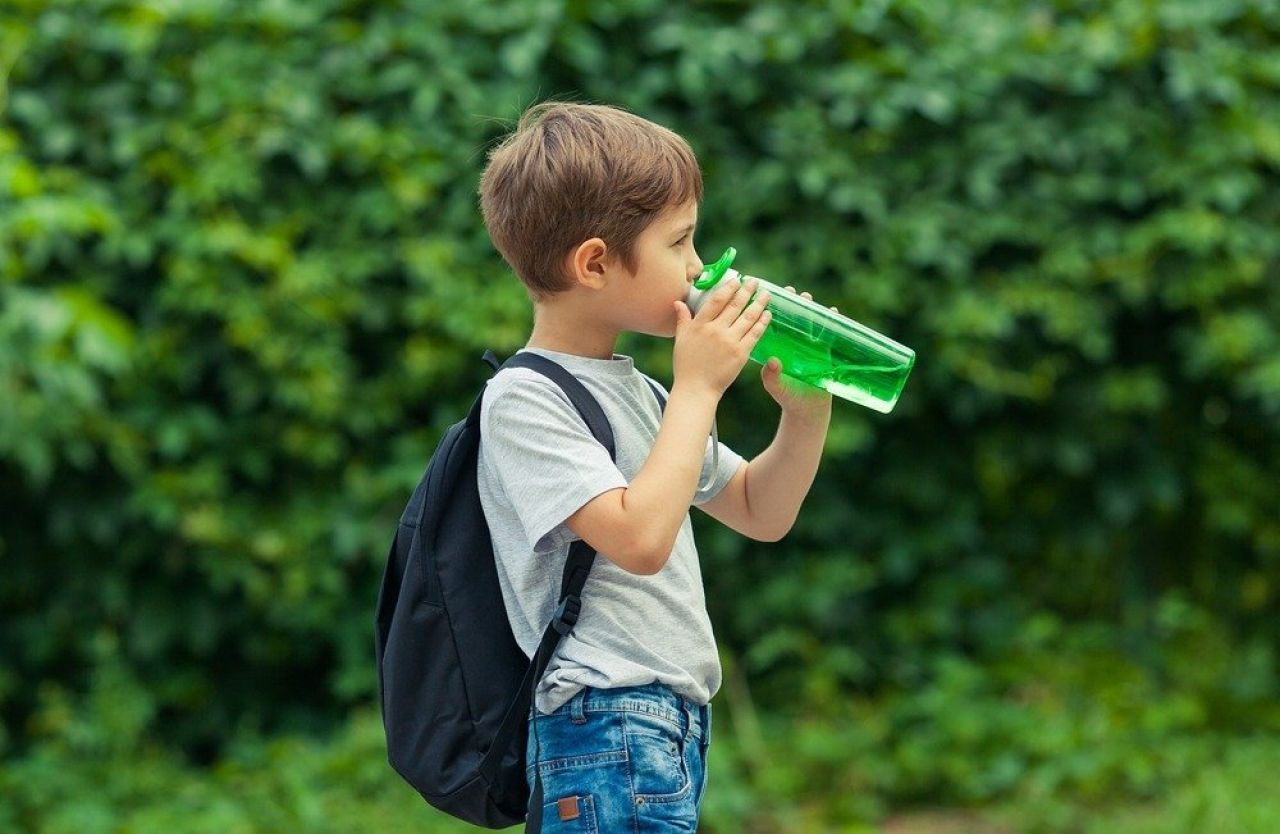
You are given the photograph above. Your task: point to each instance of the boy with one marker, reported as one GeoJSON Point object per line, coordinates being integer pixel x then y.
{"type": "Point", "coordinates": [595, 208]}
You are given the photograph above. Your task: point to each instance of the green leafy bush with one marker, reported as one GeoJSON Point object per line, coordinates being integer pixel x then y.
{"type": "Point", "coordinates": [244, 288]}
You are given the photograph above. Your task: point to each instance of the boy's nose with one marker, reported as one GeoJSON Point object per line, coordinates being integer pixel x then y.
{"type": "Point", "coordinates": [697, 267]}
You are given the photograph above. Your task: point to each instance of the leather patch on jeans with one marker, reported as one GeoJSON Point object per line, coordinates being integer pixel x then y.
{"type": "Point", "coordinates": [568, 808]}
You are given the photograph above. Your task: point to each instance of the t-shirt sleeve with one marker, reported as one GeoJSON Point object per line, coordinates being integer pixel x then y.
{"type": "Point", "coordinates": [724, 471]}
{"type": "Point", "coordinates": [540, 450]}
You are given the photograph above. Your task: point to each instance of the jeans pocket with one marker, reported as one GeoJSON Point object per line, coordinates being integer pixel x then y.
{"type": "Point", "coordinates": [655, 747]}
{"type": "Point", "coordinates": [575, 814]}
{"type": "Point", "coordinates": [559, 744]}
{"type": "Point", "coordinates": [705, 743]}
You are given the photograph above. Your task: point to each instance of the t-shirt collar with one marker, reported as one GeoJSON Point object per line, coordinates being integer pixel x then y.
{"type": "Point", "coordinates": [619, 365]}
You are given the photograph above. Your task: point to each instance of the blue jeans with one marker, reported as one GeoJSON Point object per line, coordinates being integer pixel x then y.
{"type": "Point", "coordinates": [631, 759]}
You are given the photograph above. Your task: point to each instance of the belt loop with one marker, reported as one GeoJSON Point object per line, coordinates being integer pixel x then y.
{"type": "Point", "coordinates": [688, 718]}
{"type": "Point", "coordinates": [578, 707]}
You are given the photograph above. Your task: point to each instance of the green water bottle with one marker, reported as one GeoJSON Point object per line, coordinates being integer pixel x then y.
{"type": "Point", "coordinates": [817, 345]}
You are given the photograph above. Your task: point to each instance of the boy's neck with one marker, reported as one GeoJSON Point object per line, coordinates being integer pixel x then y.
{"type": "Point", "coordinates": [552, 332]}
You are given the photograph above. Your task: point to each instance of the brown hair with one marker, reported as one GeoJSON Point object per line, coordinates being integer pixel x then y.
{"type": "Point", "coordinates": [571, 172]}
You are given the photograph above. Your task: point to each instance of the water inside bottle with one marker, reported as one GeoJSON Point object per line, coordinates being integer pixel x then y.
{"type": "Point", "coordinates": [814, 355]}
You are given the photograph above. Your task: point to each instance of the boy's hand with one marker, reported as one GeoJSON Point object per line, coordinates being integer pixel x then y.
{"type": "Point", "coordinates": [712, 346]}
{"type": "Point", "coordinates": [796, 398]}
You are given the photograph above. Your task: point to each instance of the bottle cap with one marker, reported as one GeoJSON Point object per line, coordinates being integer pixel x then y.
{"type": "Point", "coordinates": [710, 276]}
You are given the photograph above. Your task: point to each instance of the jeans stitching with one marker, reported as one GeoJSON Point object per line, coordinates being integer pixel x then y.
{"type": "Point", "coordinates": [661, 798]}
{"type": "Point", "coordinates": [631, 784]}
{"type": "Point", "coordinates": [593, 824]}
{"type": "Point", "coordinates": [584, 760]}
{"type": "Point", "coordinates": [666, 714]}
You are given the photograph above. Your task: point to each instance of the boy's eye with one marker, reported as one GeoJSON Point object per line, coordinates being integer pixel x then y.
{"type": "Point", "coordinates": [681, 240]}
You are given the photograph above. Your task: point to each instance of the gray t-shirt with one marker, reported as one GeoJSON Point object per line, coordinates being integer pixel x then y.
{"type": "Point", "coordinates": [538, 465]}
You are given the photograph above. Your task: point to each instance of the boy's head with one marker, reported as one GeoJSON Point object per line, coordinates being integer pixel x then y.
{"type": "Point", "coordinates": [582, 189]}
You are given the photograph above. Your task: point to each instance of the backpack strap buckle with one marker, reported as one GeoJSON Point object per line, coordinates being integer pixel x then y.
{"type": "Point", "coordinates": [567, 614]}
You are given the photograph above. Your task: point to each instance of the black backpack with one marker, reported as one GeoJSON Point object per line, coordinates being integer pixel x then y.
{"type": "Point", "coordinates": [455, 686]}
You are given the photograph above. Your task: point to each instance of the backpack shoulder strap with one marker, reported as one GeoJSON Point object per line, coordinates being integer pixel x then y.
{"type": "Point", "coordinates": [581, 555]}
{"type": "Point", "coordinates": [576, 568]}
{"type": "Point", "coordinates": [578, 394]}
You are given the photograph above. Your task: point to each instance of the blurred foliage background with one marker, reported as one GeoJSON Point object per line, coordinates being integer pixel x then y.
{"type": "Point", "coordinates": [245, 286]}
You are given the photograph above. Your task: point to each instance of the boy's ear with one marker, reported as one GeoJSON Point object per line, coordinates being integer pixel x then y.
{"type": "Point", "coordinates": [588, 262]}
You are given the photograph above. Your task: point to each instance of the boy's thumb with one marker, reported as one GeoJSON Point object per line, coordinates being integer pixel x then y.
{"type": "Point", "coordinates": [682, 312]}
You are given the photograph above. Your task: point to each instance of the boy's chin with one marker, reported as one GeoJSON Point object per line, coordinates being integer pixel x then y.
{"type": "Point", "coordinates": [665, 330]}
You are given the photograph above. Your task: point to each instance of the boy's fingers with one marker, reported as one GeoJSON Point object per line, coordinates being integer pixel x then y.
{"type": "Point", "coordinates": [753, 314]}
{"type": "Point", "coordinates": [757, 329]}
{"type": "Point", "coordinates": [734, 306]}
{"type": "Point", "coordinates": [720, 296]}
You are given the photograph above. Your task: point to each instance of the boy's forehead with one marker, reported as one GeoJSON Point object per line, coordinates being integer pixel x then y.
{"type": "Point", "coordinates": [685, 215]}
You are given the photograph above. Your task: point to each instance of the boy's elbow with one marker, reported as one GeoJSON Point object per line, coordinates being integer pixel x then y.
{"type": "Point", "coordinates": [643, 564]}
{"type": "Point", "coordinates": [772, 534]}
{"type": "Point", "coordinates": [656, 560]}
{"type": "Point", "coordinates": [649, 567]}
{"type": "Point", "coordinates": [637, 560]}
{"type": "Point", "coordinates": [650, 557]}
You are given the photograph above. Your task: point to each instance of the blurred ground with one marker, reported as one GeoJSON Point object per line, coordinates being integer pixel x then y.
{"type": "Point", "coordinates": [943, 822]}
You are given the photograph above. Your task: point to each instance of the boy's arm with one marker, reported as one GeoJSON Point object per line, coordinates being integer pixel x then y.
{"type": "Point", "coordinates": [711, 348]}
{"type": "Point", "coordinates": [636, 527]}
{"type": "Point", "coordinates": [763, 498]}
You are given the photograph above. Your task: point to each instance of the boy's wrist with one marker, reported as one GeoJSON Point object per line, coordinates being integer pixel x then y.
{"type": "Point", "coordinates": [701, 393]}
{"type": "Point", "coordinates": [814, 417]}
{"type": "Point", "coordinates": [816, 413]}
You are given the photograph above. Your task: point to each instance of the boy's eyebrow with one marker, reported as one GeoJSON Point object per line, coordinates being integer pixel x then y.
{"type": "Point", "coordinates": [684, 229]}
